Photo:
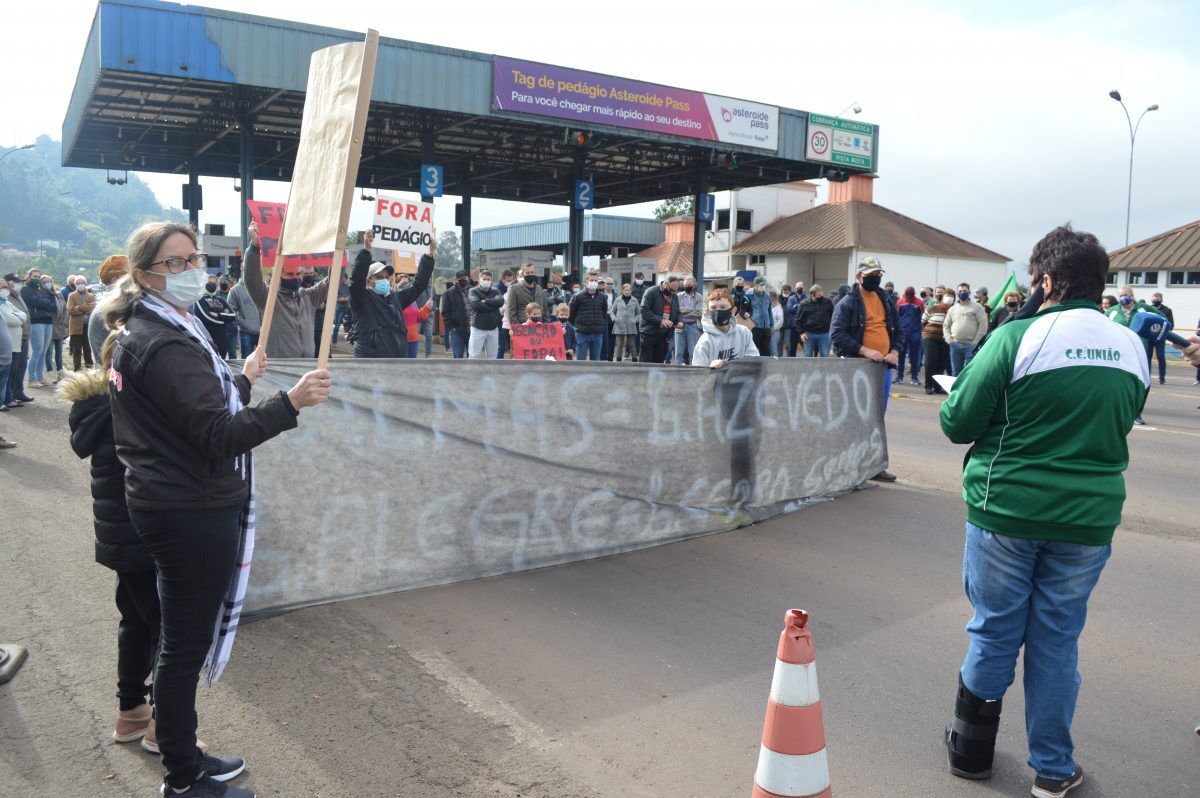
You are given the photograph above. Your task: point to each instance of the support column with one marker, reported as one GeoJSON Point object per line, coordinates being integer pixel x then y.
{"type": "Point", "coordinates": [465, 233]}
{"type": "Point", "coordinates": [247, 175]}
{"type": "Point", "coordinates": [698, 231]}
{"type": "Point", "coordinates": [194, 200]}
{"type": "Point", "coordinates": [574, 258]}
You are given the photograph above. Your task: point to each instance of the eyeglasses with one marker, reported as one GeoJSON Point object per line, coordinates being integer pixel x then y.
{"type": "Point", "coordinates": [197, 260]}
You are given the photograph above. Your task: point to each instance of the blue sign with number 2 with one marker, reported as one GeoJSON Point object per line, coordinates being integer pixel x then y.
{"type": "Point", "coordinates": [585, 195]}
{"type": "Point", "coordinates": [431, 180]}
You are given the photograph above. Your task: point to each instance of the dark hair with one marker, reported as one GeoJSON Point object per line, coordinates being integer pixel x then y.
{"type": "Point", "coordinates": [488, 272]}
{"type": "Point", "coordinates": [965, 285]}
{"type": "Point", "coordinates": [506, 273]}
{"type": "Point", "coordinates": [1074, 261]}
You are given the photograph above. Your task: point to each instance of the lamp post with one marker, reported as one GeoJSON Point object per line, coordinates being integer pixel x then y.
{"type": "Point", "coordinates": [14, 149]}
{"type": "Point", "coordinates": [1133, 129]}
{"type": "Point", "coordinates": [851, 107]}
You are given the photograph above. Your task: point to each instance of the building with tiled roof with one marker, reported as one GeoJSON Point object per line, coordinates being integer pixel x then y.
{"type": "Point", "coordinates": [1168, 263]}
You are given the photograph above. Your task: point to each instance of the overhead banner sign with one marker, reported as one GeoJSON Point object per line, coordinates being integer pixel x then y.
{"type": "Point", "coordinates": [403, 225]}
{"type": "Point", "coordinates": [528, 87]}
{"type": "Point", "coordinates": [840, 141]}
{"type": "Point", "coordinates": [270, 216]}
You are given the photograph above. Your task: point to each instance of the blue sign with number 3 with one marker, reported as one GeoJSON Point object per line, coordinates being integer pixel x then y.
{"type": "Point", "coordinates": [431, 180]}
{"type": "Point", "coordinates": [585, 195]}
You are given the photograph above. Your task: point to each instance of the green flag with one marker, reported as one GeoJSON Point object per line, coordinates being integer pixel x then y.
{"type": "Point", "coordinates": [1009, 285]}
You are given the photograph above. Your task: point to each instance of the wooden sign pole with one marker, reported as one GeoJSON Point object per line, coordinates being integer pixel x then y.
{"type": "Point", "coordinates": [371, 50]}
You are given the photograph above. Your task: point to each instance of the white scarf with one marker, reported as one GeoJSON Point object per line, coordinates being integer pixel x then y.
{"type": "Point", "coordinates": [225, 626]}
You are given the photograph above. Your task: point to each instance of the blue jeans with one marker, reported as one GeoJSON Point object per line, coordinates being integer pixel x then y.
{"type": "Point", "coordinates": [458, 344]}
{"type": "Point", "coordinates": [910, 346]}
{"type": "Point", "coordinates": [40, 336]}
{"type": "Point", "coordinates": [685, 343]}
{"type": "Point", "coordinates": [588, 346]}
{"type": "Point", "coordinates": [817, 345]}
{"type": "Point", "coordinates": [249, 342]}
{"type": "Point", "coordinates": [500, 350]}
{"type": "Point", "coordinates": [427, 331]}
{"type": "Point", "coordinates": [1031, 592]}
{"type": "Point", "coordinates": [414, 349]}
{"type": "Point", "coordinates": [960, 356]}
{"type": "Point", "coordinates": [6, 393]}
{"type": "Point", "coordinates": [339, 318]}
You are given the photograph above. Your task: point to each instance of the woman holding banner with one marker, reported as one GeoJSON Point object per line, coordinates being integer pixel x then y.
{"type": "Point", "coordinates": [184, 433]}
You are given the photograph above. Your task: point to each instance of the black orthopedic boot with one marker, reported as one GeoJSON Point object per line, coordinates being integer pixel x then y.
{"type": "Point", "coordinates": [971, 736]}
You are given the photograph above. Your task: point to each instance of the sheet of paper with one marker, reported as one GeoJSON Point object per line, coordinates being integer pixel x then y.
{"type": "Point", "coordinates": [944, 381]}
{"type": "Point", "coordinates": [327, 132]}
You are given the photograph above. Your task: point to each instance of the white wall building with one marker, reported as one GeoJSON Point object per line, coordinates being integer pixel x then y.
{"type": "Point", "coordinates": [740, 214]}
{"type": "Point", "coordinates": [1169, 264]}
{"type": "Point", "coordinates": [823, 244]}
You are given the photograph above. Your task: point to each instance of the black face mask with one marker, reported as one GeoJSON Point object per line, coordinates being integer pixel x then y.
{"type": "Point", "coordinates": [691, 289]}
{"type": "Point", "coordinates": [210, 288]}
{"type": "Point", "coordinates": [224, 287]}
{"type": "Point", "coordinates": [462, 283]}
{"type": "Point", "coordinates": [289, 283]}
{"type": "Point", "coordinates": [870, 281]}
{"type": "Point", "coordinates": [308, 280]}
{"type": "Point", "coordinates": [529, 279]}
{"type": "Point", "coordinates": [1013, 305]}
{"type": "Point", "coordinates": [722, 317]}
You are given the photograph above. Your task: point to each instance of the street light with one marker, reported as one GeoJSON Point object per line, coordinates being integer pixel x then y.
{"type": "Point", "coordinates": [14, 149]}
{"type": "Point", "coordinates": [851, 107]}
{"type": "Point", "coordinates": [1133, 129]}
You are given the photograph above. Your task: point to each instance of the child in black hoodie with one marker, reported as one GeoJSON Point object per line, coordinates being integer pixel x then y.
{"type": "Point", "coordinates": [119, 548]}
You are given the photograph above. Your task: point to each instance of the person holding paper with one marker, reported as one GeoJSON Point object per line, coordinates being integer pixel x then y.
{"type": "Point", "coordinates": [293, 327]}
{"type": "Point", "coordinates": [184, 431]}
{"type": "Point", "coordinates": [379, 327]}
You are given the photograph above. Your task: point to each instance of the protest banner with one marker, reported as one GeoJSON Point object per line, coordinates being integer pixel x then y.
{"type": "Point", "coordinates": [331, 135]}
{"type": "Point", "coordinates": [403, 225]}
{"type": "Point", "coordinates": [269, 217]}
{"type": "Point", "coordinates": [538, 341]}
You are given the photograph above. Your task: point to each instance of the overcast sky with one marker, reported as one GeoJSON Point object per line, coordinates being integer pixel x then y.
{"type": "Point", "coordinates": [995, 118]}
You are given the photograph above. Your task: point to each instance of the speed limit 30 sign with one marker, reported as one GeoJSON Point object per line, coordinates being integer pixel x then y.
{"type": "Point", "coordinates": [819, 141]}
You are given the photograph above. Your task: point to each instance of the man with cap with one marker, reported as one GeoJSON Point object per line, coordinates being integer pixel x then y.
{"type": "Point", "coordinates": [20, 359]}
{"type": "Point", "coordinates": [660, 314]}
{"type": "Point", "coordinates": [379, 329]}
{"type": "Point", "coordinates": [294, 323]}
{"type": "Point", "coordinates": [865, 325]}
{"type": "Point", "coordinates": [456, 313]}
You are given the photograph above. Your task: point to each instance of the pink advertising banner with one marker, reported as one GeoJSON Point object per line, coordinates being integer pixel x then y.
{"type": "Point", "coordinates": [528, 87]}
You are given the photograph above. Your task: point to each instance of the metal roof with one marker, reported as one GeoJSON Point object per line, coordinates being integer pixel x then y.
{"type": "Point", "coordinates": [861, 225]}
{"type": "Point", "coordinates": [1174, 249]}
{"type": "Point", "coordinates": [164, 87]}
{"type": "Point", "coordinates": [601, 233]}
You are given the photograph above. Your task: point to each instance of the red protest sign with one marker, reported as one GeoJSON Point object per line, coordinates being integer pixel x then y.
{"type": "Point", "coordinates": [269, 216]}
{"type": "Point", "coordinates": [538, 341]}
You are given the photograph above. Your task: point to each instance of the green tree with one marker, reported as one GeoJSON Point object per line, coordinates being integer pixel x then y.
{"type": "Point", "coordinates": [677, 206]}
{"type": "Point", "coordinates": [448, 258]}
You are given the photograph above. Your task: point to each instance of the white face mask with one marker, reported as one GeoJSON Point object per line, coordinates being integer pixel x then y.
{"type": "Point", "coordinates": [485, 284]}
{"type": "Point", "coordinates": [591, 286]}
{"type": "Point", "coordinates": [184, 289]}
{"type": "Point", "coordinates": [4, 293]}
{"type": "Point", "coordinates": [637, 282]}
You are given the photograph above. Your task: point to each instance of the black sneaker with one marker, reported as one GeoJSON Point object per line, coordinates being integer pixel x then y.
{"type": "Point", "coordinates": [206, 787]}
{"type": "Point", "coordinates": [1139, 421]}
{"type": "Point", "coordinates": [884, 476]}
{"type": "Point", "coordinates": [1056, 788]}
{"type": "Point", "coordinates": [223, 768]}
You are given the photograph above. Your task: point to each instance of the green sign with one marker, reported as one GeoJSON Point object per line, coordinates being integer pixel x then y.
{"type": "Point", "coordinates": [840, 141]}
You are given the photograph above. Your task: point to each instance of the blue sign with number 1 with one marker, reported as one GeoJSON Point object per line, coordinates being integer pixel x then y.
{"type": "Point", "coordinates": [708, 206]}
{"type": "Point", "coordinates": [431, 180]}
{"type": "Point", "coordinates": [585, 195]}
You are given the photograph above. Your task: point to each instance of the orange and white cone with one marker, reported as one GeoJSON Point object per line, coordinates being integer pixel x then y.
{"type": "Point", "coordinates": [792, 762]}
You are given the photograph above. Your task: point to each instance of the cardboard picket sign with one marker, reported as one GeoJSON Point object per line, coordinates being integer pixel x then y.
{"type": "Point", "coordinates": [538, 341]}
{"type": "Point", "coordinates": [403, 225]}
{"type": "Point", "coordinates": [269, 216]}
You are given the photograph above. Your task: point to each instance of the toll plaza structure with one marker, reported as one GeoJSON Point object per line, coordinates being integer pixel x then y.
{"type": "Point", "coordinates": [602, 234]}
{"type": "Point", "coordinates": [171, 88]}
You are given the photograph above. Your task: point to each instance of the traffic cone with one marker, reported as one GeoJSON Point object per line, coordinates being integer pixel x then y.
{"type": "Point", "coordinates": [792, 761]}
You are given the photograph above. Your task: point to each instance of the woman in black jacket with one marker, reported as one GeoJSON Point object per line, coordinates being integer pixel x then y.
{"type": "Point", "coordinates": [184, 433]}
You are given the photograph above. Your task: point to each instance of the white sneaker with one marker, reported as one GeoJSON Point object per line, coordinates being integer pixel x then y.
{"type": "Point", "coordinates": [60, 375]}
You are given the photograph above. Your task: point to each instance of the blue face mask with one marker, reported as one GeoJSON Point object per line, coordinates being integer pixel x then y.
{"type": "Point", "coordinates": [1125, 300]}
{"type": "Point", "coordinates": [289, 284]}
{"type": "Point", "coordinates": [382, 288]}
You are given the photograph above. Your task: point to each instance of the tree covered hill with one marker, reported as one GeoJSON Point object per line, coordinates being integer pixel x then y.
{"type": "Point", "coordinates": [40, 200]}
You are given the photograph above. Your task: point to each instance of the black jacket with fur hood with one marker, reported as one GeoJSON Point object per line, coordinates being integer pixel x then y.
{"type": "Point", "coordinates": [117, 543]}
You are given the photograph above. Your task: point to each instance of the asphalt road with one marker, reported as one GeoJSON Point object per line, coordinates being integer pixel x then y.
{"type": "Point", "coordinates": [644, 674]}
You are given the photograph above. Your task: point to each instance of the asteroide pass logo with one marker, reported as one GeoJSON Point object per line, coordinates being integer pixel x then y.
{"type": "Point", "coordinates": [726, 115]}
